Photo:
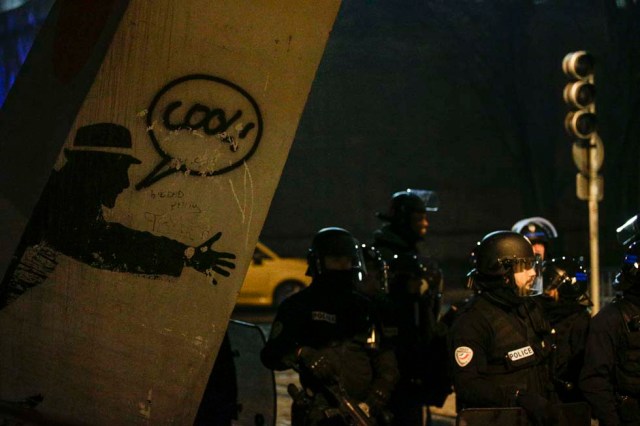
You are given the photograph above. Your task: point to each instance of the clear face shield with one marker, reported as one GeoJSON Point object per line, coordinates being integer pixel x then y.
{"type": "Point", "coordinates": [429, 198]}
{"type": "Point", "coordinates": [358, 267]}
{"type": "Point", "coordinates": [375, 279]}
{"type": "Point", "coordinates": [538, 284]}
{"type": "Point", "coordinates": [343, 260]}
{"type": "Point", "coordinates": [527, 276]}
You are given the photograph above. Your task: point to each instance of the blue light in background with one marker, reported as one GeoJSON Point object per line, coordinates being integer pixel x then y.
{"type": "Point", "coordinates": [18, 29]}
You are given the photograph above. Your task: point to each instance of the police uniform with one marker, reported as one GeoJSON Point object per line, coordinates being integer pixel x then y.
{"type": "Point", "coordinates": [498, 348]}
{"type": "Point", "coordinates": [339, 322]}
{"type": "Point", "coordinates": [610, 379]}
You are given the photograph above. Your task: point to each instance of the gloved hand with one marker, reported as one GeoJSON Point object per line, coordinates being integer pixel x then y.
{"type": "Point", "coordinates": [377, 400]}
{"type": "Point", "coordinates": [540, 411]}
{"type": "Point", "coordinates": [317, 364]}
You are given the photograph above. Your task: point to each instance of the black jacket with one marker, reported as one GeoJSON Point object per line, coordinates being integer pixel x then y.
{"type": "Point", "coordinates": [497, 348]}
{"type": "Point", "coordinates": [337, 322]}
{"type": "Point", "coordinates": [606, 350]}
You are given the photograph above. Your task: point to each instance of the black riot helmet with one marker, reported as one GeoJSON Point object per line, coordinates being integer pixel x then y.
{"type": "Point", "coordinates": [566, 275]}
{"type": "Point", "coordinates": [629, 275]}
{"type": "Point", "coordinates": [537, 229]}
{"type": "Point", "coordinates": [377, 269]}
{"type": "Point", "coordinates": [403, 203]}
{"type": "Point", "coordinates": [337, 242]}
{"type": "Point", "coordinates": [500, 254]}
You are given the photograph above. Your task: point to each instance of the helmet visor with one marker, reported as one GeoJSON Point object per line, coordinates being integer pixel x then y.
{"type": "Point", "coordinates": [538, 286]}
{"type": "Point", "coordinates": [429, 198]}
{"type": "Point", "coordinates": [524, 264]}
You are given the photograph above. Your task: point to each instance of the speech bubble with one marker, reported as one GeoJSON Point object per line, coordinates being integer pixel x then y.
{"type": "Point", "coordinates": [201, 125]}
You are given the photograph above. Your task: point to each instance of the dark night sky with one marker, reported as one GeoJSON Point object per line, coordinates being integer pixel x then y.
{"type": "Point", "coordinates": [464, 98]}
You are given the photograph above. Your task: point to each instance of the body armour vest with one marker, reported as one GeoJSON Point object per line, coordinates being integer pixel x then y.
{"type": "Point", "coordinates": [518, 355]}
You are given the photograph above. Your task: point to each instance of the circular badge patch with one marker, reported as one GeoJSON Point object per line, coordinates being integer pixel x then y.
{"type": "Point", "coordinates": [463, 355]}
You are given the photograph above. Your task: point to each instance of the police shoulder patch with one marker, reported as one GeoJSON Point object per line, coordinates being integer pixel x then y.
{"type": "Point", "coordinates": [463, 355]}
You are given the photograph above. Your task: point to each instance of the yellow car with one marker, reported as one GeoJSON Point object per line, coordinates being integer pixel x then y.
{"type": "Point", "coordinates": [271, 278]}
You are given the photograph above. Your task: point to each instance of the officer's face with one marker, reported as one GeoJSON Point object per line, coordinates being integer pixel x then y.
{"type": "Point", "coordinates": [338, 263]}
{"type": "Point", "coordinates": [419, 223]}
{"type": "Point", "coordinates": [524, 281]}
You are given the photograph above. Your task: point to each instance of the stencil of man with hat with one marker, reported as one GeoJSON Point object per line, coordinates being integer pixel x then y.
{"type": "Point", "coordinates": [69, 219]}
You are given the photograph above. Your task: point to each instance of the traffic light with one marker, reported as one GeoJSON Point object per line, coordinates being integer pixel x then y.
{"type": "Point", "coordinates": [581, 123]}
{"type": "Point", "coordinates": [580, 94]}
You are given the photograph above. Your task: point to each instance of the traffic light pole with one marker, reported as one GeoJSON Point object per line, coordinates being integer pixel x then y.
{"type": "Point", "coordinates": [594, 250]}
{"type": "Point", "coordinates": [588, 151]}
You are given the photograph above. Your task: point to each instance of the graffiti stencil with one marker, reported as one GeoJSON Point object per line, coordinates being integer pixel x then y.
{"type": "Point", "coordinates": [69, 219]}
{"type": "Point", "coordinates": [216, 131]}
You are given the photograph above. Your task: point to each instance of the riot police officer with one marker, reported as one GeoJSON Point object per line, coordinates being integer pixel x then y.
{"type": "Point", "coordinates": [329, 334]}
{"type": "Point", "coordinates": [498, 346]}
{"type": "Point", "coordinates": [610, 378]}
{"type": "Point", "coordinates": [406, 223]}
{"type": "Point", "coordinates": [566, 306]}
{"type": "Point", "coordinates": [401, 241]}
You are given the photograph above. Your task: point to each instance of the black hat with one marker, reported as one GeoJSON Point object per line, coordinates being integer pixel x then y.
{"type": "Point", "coordinates": [106, 138]}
